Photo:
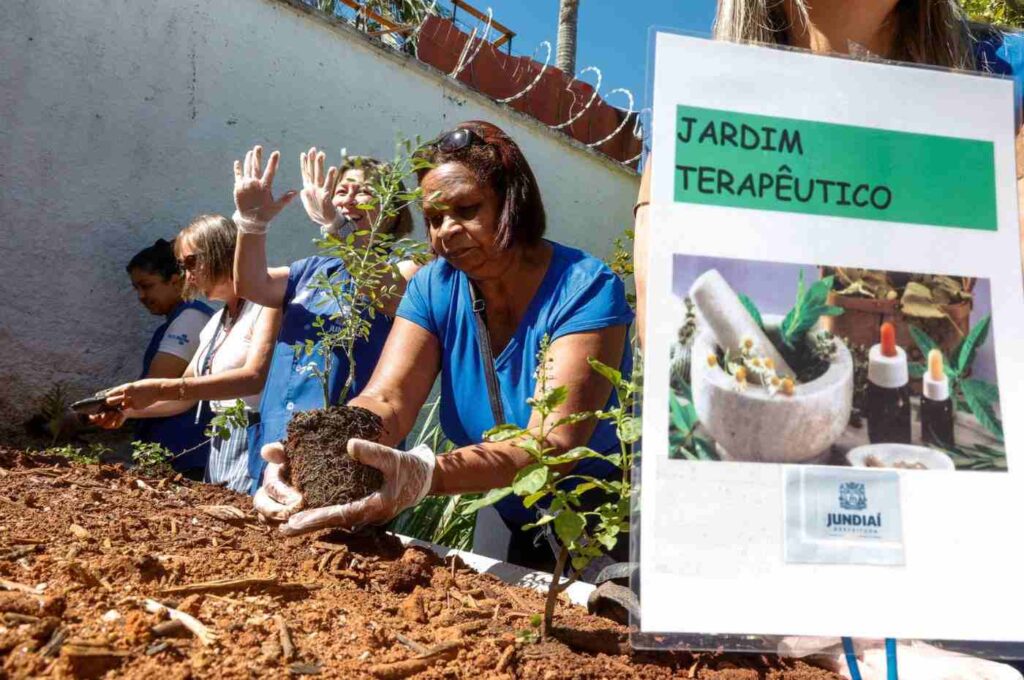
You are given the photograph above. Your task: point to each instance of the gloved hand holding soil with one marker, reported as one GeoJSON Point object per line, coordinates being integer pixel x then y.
{"type": "Point", "coordinates": [337, 479]}
{"type": "Point", "coordinates": [319, 465]}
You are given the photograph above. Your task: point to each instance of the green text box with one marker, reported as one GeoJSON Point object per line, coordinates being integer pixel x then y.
{"type": "Point", "coordinates": [783, 164]}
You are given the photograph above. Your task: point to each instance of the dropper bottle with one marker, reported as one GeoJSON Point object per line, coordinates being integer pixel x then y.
{"type": "Point", "coordinates": [888, 394]}
{"type": "Point", "coordinates": [936, 404]}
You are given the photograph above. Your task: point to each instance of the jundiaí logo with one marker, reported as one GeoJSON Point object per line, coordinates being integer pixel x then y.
{"type": "Point", "coordinates": [852, 496]}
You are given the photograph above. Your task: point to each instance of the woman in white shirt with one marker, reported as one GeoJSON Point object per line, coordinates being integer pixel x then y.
{"type": "Point", "coordinates": [233, 357]}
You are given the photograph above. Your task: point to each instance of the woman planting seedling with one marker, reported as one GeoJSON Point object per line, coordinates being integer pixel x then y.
{"type": "Point", "coordinates": [495, 290]}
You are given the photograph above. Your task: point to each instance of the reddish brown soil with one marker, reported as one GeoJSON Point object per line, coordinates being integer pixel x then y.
{"type": "Point", "coordinates": [318, 461]}
{"type": "Point", "coordinates": [102, 541]}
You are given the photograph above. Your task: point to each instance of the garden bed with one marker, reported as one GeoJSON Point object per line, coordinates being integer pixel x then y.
{"type": "Point", "coordinates": [82, 549]}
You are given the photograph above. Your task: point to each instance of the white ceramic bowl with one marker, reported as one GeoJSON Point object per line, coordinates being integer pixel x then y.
{"type": "Point", "coordinates": [750, 425]}
{"type": "Point", "coordinates": [888, 455]}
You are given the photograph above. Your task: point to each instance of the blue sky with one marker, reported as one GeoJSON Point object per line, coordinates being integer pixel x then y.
{"type": "Point", "coordinates": [612, 33]}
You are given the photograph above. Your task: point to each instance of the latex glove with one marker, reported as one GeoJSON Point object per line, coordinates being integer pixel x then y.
{"type": "Point", "coordinates": [407, 479]}
{"type": "Point", "coordinates": [318, 190]}
{"type": "Point", "coordinates": [136, 395]}
{"type": "Point", "coordinates": [255, 205]}
{"type": "Point", "coordinates": [275, 500]}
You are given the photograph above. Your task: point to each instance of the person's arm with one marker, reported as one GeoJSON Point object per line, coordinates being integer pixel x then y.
{"type": "Point", "coordinates": [641, 212]}
{"type": "Point", "coordinates": [253, 279]}
{"type": "Point", "coordinates": [112, 420]}
{"type": "Point", "coordinates": [166, 365]}
{"type": "Point", "coordinates": [255, 207]}
{"type": "Point", "coordinates": [142, 396]}
{"type": "Point", "coordinates": [411, 475]}
{"type": "Point", "coordinates": [401, 382]}
{"type": "Point", "coordinates": [491, 465]}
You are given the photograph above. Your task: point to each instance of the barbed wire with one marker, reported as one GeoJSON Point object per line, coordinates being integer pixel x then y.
{"type": "Point", "coordinates": [420, 10]}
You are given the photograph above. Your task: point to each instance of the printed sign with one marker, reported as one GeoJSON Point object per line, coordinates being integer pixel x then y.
{"type": "Point", "coordinates": [835, 306]}
{"type": "Point", "coordinates": [769, 163]}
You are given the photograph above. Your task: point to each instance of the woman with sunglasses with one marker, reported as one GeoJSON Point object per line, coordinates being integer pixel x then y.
{"type": "Point", "coordinates": [230, 364]}
{"type": "Point", "coordinates": [331, 199]}
{"type": "Point", "coordinates": [933, 32]}
{"type": "Point", "coordinates": [496, 289]}
{"type": "Point", "coordinates": [159, 283]}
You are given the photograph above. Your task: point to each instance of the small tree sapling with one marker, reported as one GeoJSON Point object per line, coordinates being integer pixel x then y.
{"type": "Point", "coordinates": [584, 534]}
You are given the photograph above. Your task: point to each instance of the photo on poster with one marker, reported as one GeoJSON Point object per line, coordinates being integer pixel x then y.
{"type": "Point", "coordinates": [828, 365]}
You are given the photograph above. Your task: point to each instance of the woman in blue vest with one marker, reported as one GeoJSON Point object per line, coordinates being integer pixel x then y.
{"type": "Point", "coordinates": [486, 221]}
{"type": "Point", "coordinates": [331, 199]}
{"type": "Point", "coordinates": [158, 282]}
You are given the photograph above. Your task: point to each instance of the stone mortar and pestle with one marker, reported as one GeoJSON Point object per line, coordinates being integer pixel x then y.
{"type": "Point", "coordinates": [750, 424]}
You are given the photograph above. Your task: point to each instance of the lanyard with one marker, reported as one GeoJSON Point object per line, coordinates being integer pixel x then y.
{"type": "Point", "coordinates": [206, 366]}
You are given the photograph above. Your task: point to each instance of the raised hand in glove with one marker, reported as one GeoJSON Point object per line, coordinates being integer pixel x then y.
{"type": "Point", "coordinates": [318, 189]}
{"type": "Point", "coordinates": [255, 204]}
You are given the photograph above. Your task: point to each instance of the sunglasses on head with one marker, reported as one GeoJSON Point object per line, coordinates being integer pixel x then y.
{"type": "Point", "coordinates": [456, 140]}
{"type": "Point", "coordinates": [188, 263]}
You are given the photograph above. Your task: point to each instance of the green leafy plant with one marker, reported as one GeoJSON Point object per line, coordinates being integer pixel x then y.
{"type": "Point", "coordinates": [972, 395]}
{"type": "Point", "coordinates": [532, 633]}
{"type": "Point", "coordinates": [811, 305]}
{"type": "Point", "coordinates": [370, 259]}
{"type": "Point", "coordinates": [1001, 12]}
{"type": "Point", "coordinates": [621, 261]}
{"type": "Point", "coordinates": [53, 407]}
{"type": "Point", "coordinates": [809, 354]}
{"type": "Point", "coordinates": [152, 459]}
{"type": "Point", "coordinates": [220, 425]}
{"type": "Point", "coordinates": [583, 534]}
{"type": "Point", "coordinates": [76, 454]}
{"type": "Point", "coordinates": [683, 421]}
{"type": "Point", "coordinates": [977, 457]}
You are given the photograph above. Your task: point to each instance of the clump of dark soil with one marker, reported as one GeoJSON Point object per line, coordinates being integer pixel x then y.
{"type": "Point", "coordinates": [318, 462]}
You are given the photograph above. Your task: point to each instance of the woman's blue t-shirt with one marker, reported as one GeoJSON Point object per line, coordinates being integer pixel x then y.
{"type": "Point", "coordinates": [578, 293]}
{"type": "Point", "coordinates": [290, 386]}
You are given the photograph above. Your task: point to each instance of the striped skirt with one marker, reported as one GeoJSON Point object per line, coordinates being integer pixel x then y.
{"type": "Point", "coordinates": [229, 461]}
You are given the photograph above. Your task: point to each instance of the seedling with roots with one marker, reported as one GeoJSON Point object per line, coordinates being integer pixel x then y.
{"type": "Point", "coordinates": [583, 534]}
{"type": "Point", "coordinates": [369, 278]}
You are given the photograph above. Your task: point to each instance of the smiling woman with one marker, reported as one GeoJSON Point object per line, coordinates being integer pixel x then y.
{"type": "Point", "coordinates": [477, 315]}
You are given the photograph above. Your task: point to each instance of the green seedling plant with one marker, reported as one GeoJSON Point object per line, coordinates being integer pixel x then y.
{"type": "Point", "coordinates": [972, 395]}
{"type": "Point", "coordinates": [621, 261]}
{"type": "Point", "coordinates": [811, 305]}
{"type": "Point", "coordinates": [583, 534]}
{"type": "Point", "coordinates": [220, 425]}
{"type": "Point", "coordinates": [152, 459]}
{"type": "Point", "coordinates": [89, 455]}
{"type": "Point", "coordinates": [370, 258]}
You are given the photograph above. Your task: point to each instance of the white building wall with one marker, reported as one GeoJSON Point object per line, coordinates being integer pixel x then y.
{"type": "Point", "coordinates": [119, 120]}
